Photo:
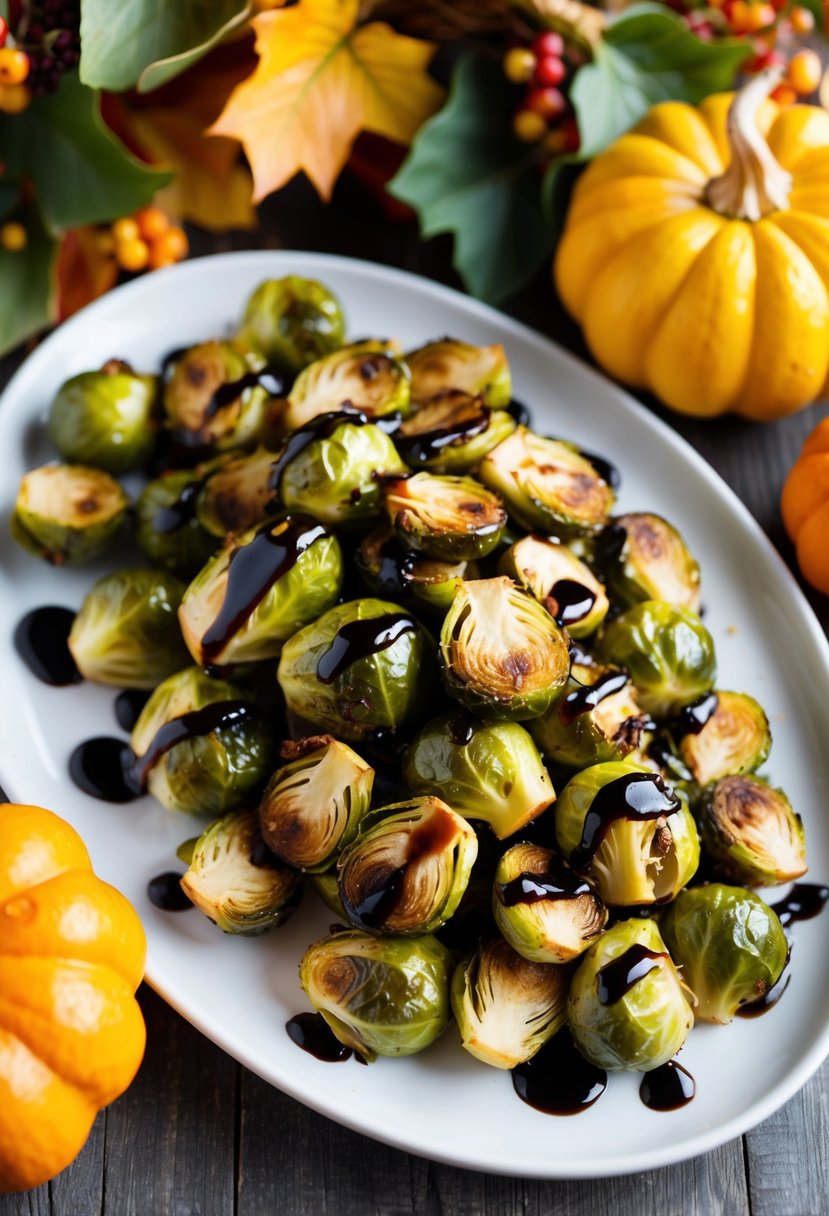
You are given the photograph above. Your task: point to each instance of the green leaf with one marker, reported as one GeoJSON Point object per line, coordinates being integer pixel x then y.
{"type": "Point", "coordinates": [148, 42]}
{"type": "Point", "coordinates": [557, 189]}
{"type": "Point", "coordinates": [9, 194]}
{"type": "Point", "coordinates": [26, 284]}
{"type": "Point", "coordinates": [646, 55]}
{"type": "Point", "coordinates": [467, 174]}
{"type": "Point", "coordinates": [83, 174]}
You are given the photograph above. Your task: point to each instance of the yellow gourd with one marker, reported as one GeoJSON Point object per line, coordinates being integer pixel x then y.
{"type": "Point", "coordinates": [71, 957]}
{"type": "Point", "coordinates": [696, 255]}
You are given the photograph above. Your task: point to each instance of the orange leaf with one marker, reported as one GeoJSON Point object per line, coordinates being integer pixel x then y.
{"type": "Point", "coordinates": [319, 82]}
{"type": "Point", "coordinates": [84, 270]}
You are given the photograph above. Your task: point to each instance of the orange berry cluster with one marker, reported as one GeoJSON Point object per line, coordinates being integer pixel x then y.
{"type": "Point", "coordinates": [144, 241]}
{"type": "Point", "coordinates": [15, 94]}
{"type": "Point", "coordinates": [544, 113]}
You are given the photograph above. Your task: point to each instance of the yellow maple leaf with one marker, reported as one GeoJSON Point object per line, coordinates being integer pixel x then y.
{"type": "Point", "coordinates": [318, 83]}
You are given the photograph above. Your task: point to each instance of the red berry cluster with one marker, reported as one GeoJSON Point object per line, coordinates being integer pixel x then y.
{"type": "Point", "coordinates": [544, 113]}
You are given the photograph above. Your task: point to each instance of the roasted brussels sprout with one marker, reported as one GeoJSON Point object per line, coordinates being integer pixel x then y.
{"type": "Point", "coordinates": [451, 432]}
{"type": "Point", "coordinates": [408, 868]}
{"type": "Point", "coordinates": [104, 418]}
{"type": "Point", "coordinates": [751, 832]}
{"type": "Point", "coordinates": [628, 1006]}
{"type": "Point", "coordinates": [482, 371]}
{"type": "Point", "coordinates": [730, 945]}
{"type": "Point", "coordinates": [668, 652]}
{"type": "Point", "coordinates": [215, 396]}
{"type": "Point", "coordinates": [238, 494]}
{"type": "Point", "coordinates": [449, 518]}
{"type": "Point", "coordinates": [544, 910]}
{"type": "Point", "coordinates": [313, 805]}
{"type": "Point", "coordinates": [366, 376]}
{"type": "Point", "coordinates": [68, 514]}
{"type": "Point", "coordinates": [293, 321]}
{"type": "Point", "coordinates": [596, 718]}
{"type": "Point", "coordinates": [722, 734]}
{"type": "Point", "coordinates": [645, 558]}
{"type": "Point", "coordinates": [167, 528]}
{"type": "Point", "coordinates": [362, 666]}
{"type": "Point", "coordinates": [126, 632]}
{"type": "Point", "coordinates": [389, 569]}
{"type": "Point", "coordinates": [562, 582]}
{"type": "Point", "coordinates": [547, 484]}
{"type": "Point", "coordinates": [235, 882]}
{"type": "Point", "coordinates": [260, 589]}
{"type": "Point", "coordinates": [328, 889]}
{"type": "Point", "coordinates": [506, 1006]}
{"type": "Point", "coordinates": [503, 654]}
{"type": "Point", "coordinates": [200, 746]}
{"type": "Point", "coordinates": [628, 832]}
{"type": "Point", "coordinates": [485, 770]}
{"type": "Point", "coordinates": [381, 996]}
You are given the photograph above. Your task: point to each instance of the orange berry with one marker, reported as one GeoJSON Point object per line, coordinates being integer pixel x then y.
{"type": "Point", "coordinates": [159, 260]}
{"type": "Point", "coordinates": [151, 221]}
{"type": "Point", "coordinates": [14, 66]}
{"type": "Point", "coordinates": [784, 95]}
{"type": "Point", "coordinates": [13, 237]}
{"type": "Point", "coordinates": [519, 65]}
{"type": "Point", "coordinates": [14, 98]}
{"type": "Point", "coordinates": [132, 254]}
{"type": "Point", "coordinates": [802, 19]}
{"type": "Point", "coordinates": [125, 229]}
{"type": "Point", "coordinates": [804, 72]}
{"type": "Point", "coordinates": [171, 244]}
{"type": "Point", "coordinates": [529, 126]}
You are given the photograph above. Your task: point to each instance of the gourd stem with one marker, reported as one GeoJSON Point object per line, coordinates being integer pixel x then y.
{"type": "Point", "coordinates": [755, 183]}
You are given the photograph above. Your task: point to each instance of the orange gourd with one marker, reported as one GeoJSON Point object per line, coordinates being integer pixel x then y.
{"type": "Point", "coordinates": [805, 507]}
{"type": "Point", "coordinates": [72, 954]}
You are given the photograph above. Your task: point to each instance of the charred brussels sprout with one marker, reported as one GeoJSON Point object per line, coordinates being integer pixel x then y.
{"type": "Point", "coordinates": [381, 996]}
{"type": "Point", "coordinates": [595, 719]}
{"type": "Point", "coordinates": [389, 569]}
{"type": "Point", "coordinates": [448, 518]}
{"type": "Point", "coordinates": [547, 484]}
{"type": "Point", "coordinates": [485, 770]}
{"type": "Point", "coordinates": [216, 395]}
{"type": "Point", "coordinates": [167, 529]}
{"type": "Point", "coordinates": [451, 432]}
{"type": "Point", "coordinates": [259, 590]}
{"type": "Point", "coordinates": [628, 832]}
{"type": "Point", "coordinates": [362, 666]}
{"type": "Point", "coordinates": [293, 321]}
{"type": "Point", "coordinates": [366, 376]}
{"type": "Point", "coordinates": [408, 868]}
{"type": "Point", "coordinates": [234, 882]}
{"type": "Point", "coordinates": [68, 514]}
{"type": "Point", "coordinates": [507, 1007]}
{"type": "Point", "coordinates": [730, 945]}
{"type": "Point", "coordinates": [723, 734]}
{"type": "Point", "coordinates": [503, 654]}
{"type": "Point", "coordinates": [127, 631]}
{"type": "Point", "coordinates": [238, 494]}
{"type": "Point", "coordinates": [645, 558]}
{"type": "Point", "coordinates": [104, 418]}
{"type": "Point", "coordinates": [750, 830]}
{"type": "Point", "coordinates": [559, 580]}
{"type": "Point", "coordinates": [482, 371]}
{"type": "Point", "coordinates": [200, 746]}
{"type": "Point", "coordinates": [628, 1007]}
{"type": "Point", "coordinates": [545, 911]}
{"type": "Point", "coordinates": [313, 805]}
{"type": "Point", "coordinates": [668, 652]}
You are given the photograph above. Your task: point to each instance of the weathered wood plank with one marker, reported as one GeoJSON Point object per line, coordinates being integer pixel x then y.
{"type": "Point", "coordinates": [788, 1167]}
{"type": "Point", "coordinates": [80, 1188]}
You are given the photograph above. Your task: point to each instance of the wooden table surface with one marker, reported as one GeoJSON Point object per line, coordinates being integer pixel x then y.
{"type": "Point", "coordinates": [198, 1134]}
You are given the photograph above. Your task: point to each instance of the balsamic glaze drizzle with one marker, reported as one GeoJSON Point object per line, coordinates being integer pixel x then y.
{"type": "Point", "coordinates": [164, 891]}
{"type": "Point", "coordinates": [361, 639]}
{"type": "Point", "coordinates": [41, 640]}
{"type": "Point", "coordinates": [582, 700]}
{"type": "Point", "coordinates": [633, 796]}
{"type": "Point", "coordinates": [572, 601]}
{"type": "Point", "coordinates": [668, 1087]}
{"type": "Point", "coordinates": [558, 1080]}
{"type": "Point", "coordinates": [616, 978]}
{"type": "Point", "coordinates": [311, 1032]}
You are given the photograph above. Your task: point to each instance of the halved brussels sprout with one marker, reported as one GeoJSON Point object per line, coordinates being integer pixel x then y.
{"type": "Point", "coordinates": [238, 494]}
{"type": "Point", "coordinates": [215, 396]}
{"type": "Point", "coordinates": [167, 528]}
{"type": "Point", "coordinates": [68, 514]}
{"type": "Point", "coordinates": [449, 518]}
{"type": "Point", "coordinates": [645, 558]}
{"type": "Point", "coordinates": [503, 654]}
{"type": "Point", "coordinates": [451, 432]}
{"type": "Point", "coordinates": [668, 652]}
{"type": "Point", "coordinates": [313, 805]}
{"type": "Point", "coordinates": [507, 1007]}
{"type": "Point", "coordinates": [259, 590]}
{"type": "Point", "coordinates": [367, 376]}
{"type": "Point", "coordinates": [628, 832]}
{"type": "Point", "coordinates": [234, 882]}
{"type": "Point", "coordinates": [730, 945]}
{"type": "Point", "coordinates": [485, 770]}
{"type": "Point", "coordinates": [628, 1006]}
{"type": "Point", "coordinates": [726, 733]}
{"type": "Point", "coordinates": [104, 418]}
{"type": "Point", "coordinates": [750, 830]}
{"type": "Point", "coordinates": [381, 996]}
{"type": "Point", "coordinates": [547, 484]}
{"type": "Point", "coordinates": [328, 889]}
{"type": "Point", "coordinates": [361, 666]}
{"type": "Point", "coordinates": [126, 632]}
{"type": "Point", "coordinates": [200, 745]}
{"type": "Point", "coordinates": [544, 910]}
{"type": "Point", "coordinates": [559, 580]}
{"type": "Point", "coordinates": [408, 868]}
{"type": "Point", "coordinates": [389, 569]}
{"type": "Point", "coordinates": [482, 371]}
{"type": "Point", "coordinates": [293, 321]}
{"type": "Point", "coordinates": [596, 718]}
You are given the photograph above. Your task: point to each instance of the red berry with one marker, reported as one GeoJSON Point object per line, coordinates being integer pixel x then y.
{"type": "Point", "coordinates": [550, 70]}
{"type": "Point", "coordinates": [762, 60]}
{"type": "Point", "coordinates": [548, 102]}
{"type": "Point", "coordinates": [549, 43]}
{"type": "Point", "coordinates": [4, 31]}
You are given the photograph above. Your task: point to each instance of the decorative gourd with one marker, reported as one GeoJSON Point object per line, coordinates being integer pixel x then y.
{"type": "Point", "coordinates": [805, 507]}
{"type": "Point", "coordinates": [71, 957]}
{"type": "Point", "coordinates": [696, 254]}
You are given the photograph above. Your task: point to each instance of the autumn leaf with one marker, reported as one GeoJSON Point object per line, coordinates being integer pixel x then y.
{"type": "Point", "coordinates": [85, 269]}
{"type": "Point", "coordinates": [320, 80]}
